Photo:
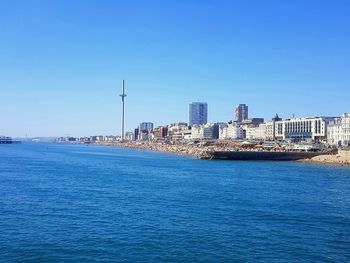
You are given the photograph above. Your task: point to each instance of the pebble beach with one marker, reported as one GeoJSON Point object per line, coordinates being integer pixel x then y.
{"type": "Point", "coordinates": [198, 150]}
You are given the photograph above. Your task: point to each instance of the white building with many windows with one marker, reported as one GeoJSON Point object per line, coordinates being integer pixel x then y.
{"type": "Point", "coordinates": [207, 131]}
{"type": "Point", "coordinates": [345, 125]}
{"type": "Point", "coordinates": [270, 130]}
{"type": "Point", "coordinates": [334, 132]}
{"type": "Point", "coordinates": [232, 131]}
{"type": "Point", "coordinates": [303, 129]}
{"type": "Point", "coordinates": [338, 131]}
{"type": "Point", "coordinates": [256, 133]}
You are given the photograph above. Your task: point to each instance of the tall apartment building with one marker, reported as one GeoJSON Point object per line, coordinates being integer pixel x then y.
{"type": "Point", "coordinates": [136, 133]}
{"type": "Point", "coordinates": [197, 113]}
{"type": "Point", "coordinates": [241, 113]}
{"type": "Point", "coordinates": [146, 126]}
{"type": "Point", "coordinates": [145, 130]}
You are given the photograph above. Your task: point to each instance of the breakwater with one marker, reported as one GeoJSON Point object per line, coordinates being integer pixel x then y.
{"type": "Point", "coordinates": [223, 151]}
{"type": "Point", "coordinates": [180, 149]}
{"type": "Point", "coordinates": [258, 155]}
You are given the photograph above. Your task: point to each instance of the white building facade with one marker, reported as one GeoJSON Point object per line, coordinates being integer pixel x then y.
{"type": "Point", "coordinates": [206, 131]}
{"type": "Point", "coordinates": [270, 130]}
{"type": "Point", "coordinates": [178, 130]}
{"type": "Point", "coordinates": [303, 129]}
{"type": "Point", "coordinates": [232, 131]}
{"type": "Point", "coordinates": [338, 131]}
{"type": "Point", "coordinates": [345, 125]}
{"type": "Point", "coordinates": [256, 133]}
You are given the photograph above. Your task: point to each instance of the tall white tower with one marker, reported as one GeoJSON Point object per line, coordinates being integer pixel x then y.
{"type": "Point", "coordinates": [123, 95]}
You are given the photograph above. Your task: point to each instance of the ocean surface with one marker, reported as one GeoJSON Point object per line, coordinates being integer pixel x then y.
{"type": "Point", "coordinates": [77, 203]}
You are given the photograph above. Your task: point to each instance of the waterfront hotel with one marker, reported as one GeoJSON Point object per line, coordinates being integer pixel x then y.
{"type": "Point", "coordinates": [302, 129]}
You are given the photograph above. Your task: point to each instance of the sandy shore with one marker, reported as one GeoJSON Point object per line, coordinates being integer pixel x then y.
{"type": "Point", "coordinates": [329, 159]}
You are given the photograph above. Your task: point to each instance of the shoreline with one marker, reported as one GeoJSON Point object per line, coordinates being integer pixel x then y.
{"type": "Point", "coordinates": [198, 151]}
{"type": "Point", "coordinates": [173, 149]}
{"type": "Point", "coordinates": [337, 160]}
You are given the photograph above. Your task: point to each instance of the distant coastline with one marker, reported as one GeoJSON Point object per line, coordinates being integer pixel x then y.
{"type": "Point", "coordinates": [8, 140]}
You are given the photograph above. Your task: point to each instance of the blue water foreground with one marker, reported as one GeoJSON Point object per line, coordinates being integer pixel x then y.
{"type": "Point", "coordinates": [78, 203]}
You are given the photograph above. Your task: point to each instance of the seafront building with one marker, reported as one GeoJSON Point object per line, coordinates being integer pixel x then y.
{"type": "Point", "coordinates": [250, 128]}
{"type": "Point", "coordinates": [197, 113]}
{"type": "Point", "coordinates": [256, 132]}
{"type": "Point", "coordinates": [100, 138]}
{"type": "Point", "coordinates": [160, 133]}
{"type": "Point", "coordinates": [335, 132]}
{"type": "Point", "coordinates": [271, 128]}
{"type": "Point", "coordinates": [310, 129]}
{"type": "Point", "coordinates": [146, 126]}
{"type": "Point", "coordinates": [345, 124]}
{"type": "Point", "coordinates": [257, 129]}
{"type": "Point", "coordinates": [303, 129]}
{"type": "Point", "coordinates": [144, 135]}
{"type": "Point", "coordinates": [330, 130]}
{"type": "Point", "coordinates": [178, 126]}
{"type": "Point", "coordinates": [252, 122]}
{"type": "Point", "coordinates": [207, 131]}
{"type": "Point", "coordinates": [110, 138]}
{"type": "Point", "coordinates": [178, 131]}
{"type": "Point", "coordinates": [145, 130]}
{"type": "Point", "coordinates": [338, 131]}
{"type": "Point", "coordinates": [233, 131]}
{"type": "Point", "coordinates": [129, 136]}
{"type": "Point", "coordinates": [241, 113]}
{"type": "Point", "coordinates": [182, 135]}
{"type": "Point", "coordinates": [136, 133]}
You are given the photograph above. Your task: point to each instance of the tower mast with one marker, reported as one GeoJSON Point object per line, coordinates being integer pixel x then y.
{"type": "Point", "coordinates": [123, 95]}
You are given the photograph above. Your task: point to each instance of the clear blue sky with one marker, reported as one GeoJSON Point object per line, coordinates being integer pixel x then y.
{"type": "Point", "coordinates": [62, 62]}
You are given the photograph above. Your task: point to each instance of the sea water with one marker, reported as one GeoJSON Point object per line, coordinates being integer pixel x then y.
{"type": "Point", "coordinates": [78, 203]}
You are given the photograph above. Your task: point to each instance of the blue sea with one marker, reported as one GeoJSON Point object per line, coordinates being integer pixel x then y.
{"type": "Point", "coordinates": [78, 203]}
